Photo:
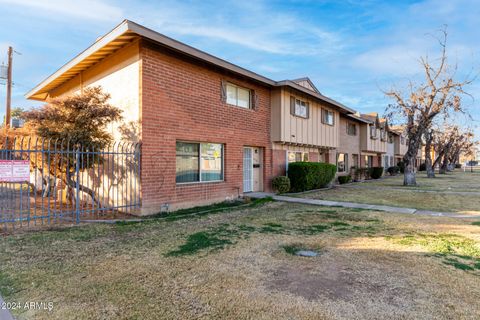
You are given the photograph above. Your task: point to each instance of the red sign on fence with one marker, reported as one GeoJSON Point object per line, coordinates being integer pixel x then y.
{"type": "Point", "coordinates": [14, 170]}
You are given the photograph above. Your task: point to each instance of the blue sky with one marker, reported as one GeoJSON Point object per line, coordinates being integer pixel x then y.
{"type": "Point", "coordinates": [352, 50]}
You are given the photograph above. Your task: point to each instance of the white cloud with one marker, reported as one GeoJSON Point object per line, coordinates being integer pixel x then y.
{"type": "Point", "coordinates": [85, 9]}
{"type": "Point", "coordinates": [258, 27]}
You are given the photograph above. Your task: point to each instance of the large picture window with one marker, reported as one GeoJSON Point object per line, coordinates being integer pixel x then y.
{"type": "Point", "coordinates": [238, 96]}
{"type": "Point", "coordinates": [199, 162]}
{"type": "Point", "coordinates": [342, 162]}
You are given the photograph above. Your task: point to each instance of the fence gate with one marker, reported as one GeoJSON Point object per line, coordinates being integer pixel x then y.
{"type": "Point", "coordinates": [46, 182]}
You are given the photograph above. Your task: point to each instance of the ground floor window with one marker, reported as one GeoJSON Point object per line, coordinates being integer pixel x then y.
{"type": "Point", "coordinates": [368, 161]}
{"type": "Point", "coordinates": [297, 156]}
{"type": "Point", "coordinates": [199, 162]}
{"type": "Point", "coordinates": [354, 160]}
{"type": "Point", "coordinates": [342, 162]}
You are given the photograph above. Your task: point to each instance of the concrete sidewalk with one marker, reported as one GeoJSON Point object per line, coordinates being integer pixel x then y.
{"type": "Point", "coordinates": [328, 203]}
{"type": "Point", "coordinates": [4, 313]}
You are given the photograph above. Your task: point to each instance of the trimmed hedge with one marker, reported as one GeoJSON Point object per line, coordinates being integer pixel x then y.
{"type": "Point", "coordinates": [344, 179]}
{"type": "Point", "coordinates": [310, 175]}
{"type": "Point", "coordinates": [458, 166]}
{"type": "Point", "coordinates": [422, 167]}
{"type": "Point", "coordinates": [375, 172]}
{"type": "Point", "coordinates": [393, 170]}
{"type": "Point", "coordinates": [281, 184]}
{"type": "Point", "coordinates": [360, 174]}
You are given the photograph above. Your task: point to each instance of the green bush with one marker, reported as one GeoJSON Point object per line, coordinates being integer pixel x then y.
{"type": "Point", "coordinates": [422, 167]}
{"type": "Point", "coordinates": [360, 173]}
{"type": "Point", "coordinates": [393, 170]}
{"type": "Point", "coordinates": [401, 166]}
{"type": "Point", "coordinates": [375, 172]}
{"type": "Point", "coordinates": [310, 175]}
{"type": "Point", "coordinates": [344, 179]}
{"type": "Point", "coordinates": [281, 184]}
{"type": "Point", "coordinates": [458, 166]}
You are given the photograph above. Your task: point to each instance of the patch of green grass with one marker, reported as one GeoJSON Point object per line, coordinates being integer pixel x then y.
{"type": "Point", "coordinates": [294, 248]}
{"type": "Point", "coordinates": [455, 250]}
{"type": "Point", "coordinates": [211, 209]}
{"type": "Point", "coordinates": [6, 285]}
{"type": "Point", "coordinates": [225, 234]}
{"type": "Point", "coordinates": [476, 223]}
{"type": "Point", "coordinates": [199, 241]}
{"type": "Point", "coordinates": [339, 224]}
{"type": "Point", "coordinates": [313, 229]}
{"type": "Point", "coordinates": [272, 228]}
{"type": "Point", "coordinates": [446, 243]}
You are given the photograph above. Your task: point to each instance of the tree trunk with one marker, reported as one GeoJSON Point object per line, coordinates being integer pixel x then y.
{"type": "Point", "coordinates": [428, 155]}
{"type": "Point", "coordinates": [72, 184]}
{"type": "Point", "coordinates": [409, 178]}
{"type": "Point", "coordinates": [444, 165]}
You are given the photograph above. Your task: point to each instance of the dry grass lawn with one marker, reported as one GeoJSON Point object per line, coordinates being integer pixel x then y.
{"type": "Point", "coordinates": [456, 192]}
{"type": "Point", "coordinates": [238, 265]}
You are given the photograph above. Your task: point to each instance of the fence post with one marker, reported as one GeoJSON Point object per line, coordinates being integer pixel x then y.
{"type": "Point", "coordinates": [77, 185]}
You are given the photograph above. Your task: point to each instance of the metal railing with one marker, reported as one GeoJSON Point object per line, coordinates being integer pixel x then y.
{"type": "Point", "coordinates": [68, 183]}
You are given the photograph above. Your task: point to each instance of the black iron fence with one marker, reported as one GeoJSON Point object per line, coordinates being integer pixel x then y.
{"type": "Point", "coordinates": [48, 182]}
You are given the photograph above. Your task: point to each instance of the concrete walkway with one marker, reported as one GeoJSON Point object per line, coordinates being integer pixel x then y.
{"type": "Point", "coordinates": [355, 205]}
{"type": "Point", "coordinates": [4, 313]}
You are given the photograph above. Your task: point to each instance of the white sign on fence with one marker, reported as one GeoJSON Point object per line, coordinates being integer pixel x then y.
{"type": "Point", "coordinates": [14, 170]}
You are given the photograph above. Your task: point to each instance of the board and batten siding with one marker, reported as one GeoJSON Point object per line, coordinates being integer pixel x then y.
{"type": "Point", "coordinates": [400, 149]}
{"type": "Point", "coordinates": [288, 128]}
{"type": "Point", "coordinates": [371, 145]}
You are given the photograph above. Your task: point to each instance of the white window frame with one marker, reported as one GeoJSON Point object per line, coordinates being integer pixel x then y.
{"type": "Point", "coordinates": [236, 104]}
{"type": "Point", "coordinates": [200, 162]}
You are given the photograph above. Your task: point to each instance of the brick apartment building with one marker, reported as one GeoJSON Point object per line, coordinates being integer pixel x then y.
{"type": "Point", "coordinates": [210, 130]}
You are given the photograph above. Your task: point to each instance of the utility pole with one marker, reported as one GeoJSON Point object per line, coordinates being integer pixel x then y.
{"type": "Point", "coordinates": [9, 89]}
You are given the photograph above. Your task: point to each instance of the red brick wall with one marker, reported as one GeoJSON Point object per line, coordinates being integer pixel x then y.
{"type": "Point", "coordinates": [181, 100]}
{"type": "Point", "coordinates": [279, 161]}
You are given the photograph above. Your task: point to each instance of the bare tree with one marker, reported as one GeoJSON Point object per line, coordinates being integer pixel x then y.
{"type": "Point", "coordinates": [429, 135]}
{"type": "Point", "coordinates": [439, 93]}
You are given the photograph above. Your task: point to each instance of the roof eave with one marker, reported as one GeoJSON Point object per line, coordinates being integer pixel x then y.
{"type": "Point", "coordinates": [291, 84]}
{"type": "Point", "coordinates": [37, 94]}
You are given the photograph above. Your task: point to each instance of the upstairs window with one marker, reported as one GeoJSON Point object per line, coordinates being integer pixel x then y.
{"type": "Point", "coordinates": [383, 135]}
{"type": "Point", "coordinates": [238, 96]}
{"type": "Point", "coordinates": [390, 138]}
{"type": "Point", "coordinates": [299, 108]}
{"type": "Point", "coordinates": [402, 140]}
{"type": "Point", "coordinates": [373, 132]}
{"type": "Point", "coordinates": [351, 129]}
{"type": "Point", "coordinates": [328, 117]}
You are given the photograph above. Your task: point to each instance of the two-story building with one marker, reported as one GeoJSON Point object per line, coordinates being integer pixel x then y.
{"type": "Point", "coordinates": [373, 141]}
{"type": "Point", "coordinates": [210, 130]}
{"type": "Point", "coordinates": [349, 150]}
{"type": "Point", "coordinates": [305, 124]}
